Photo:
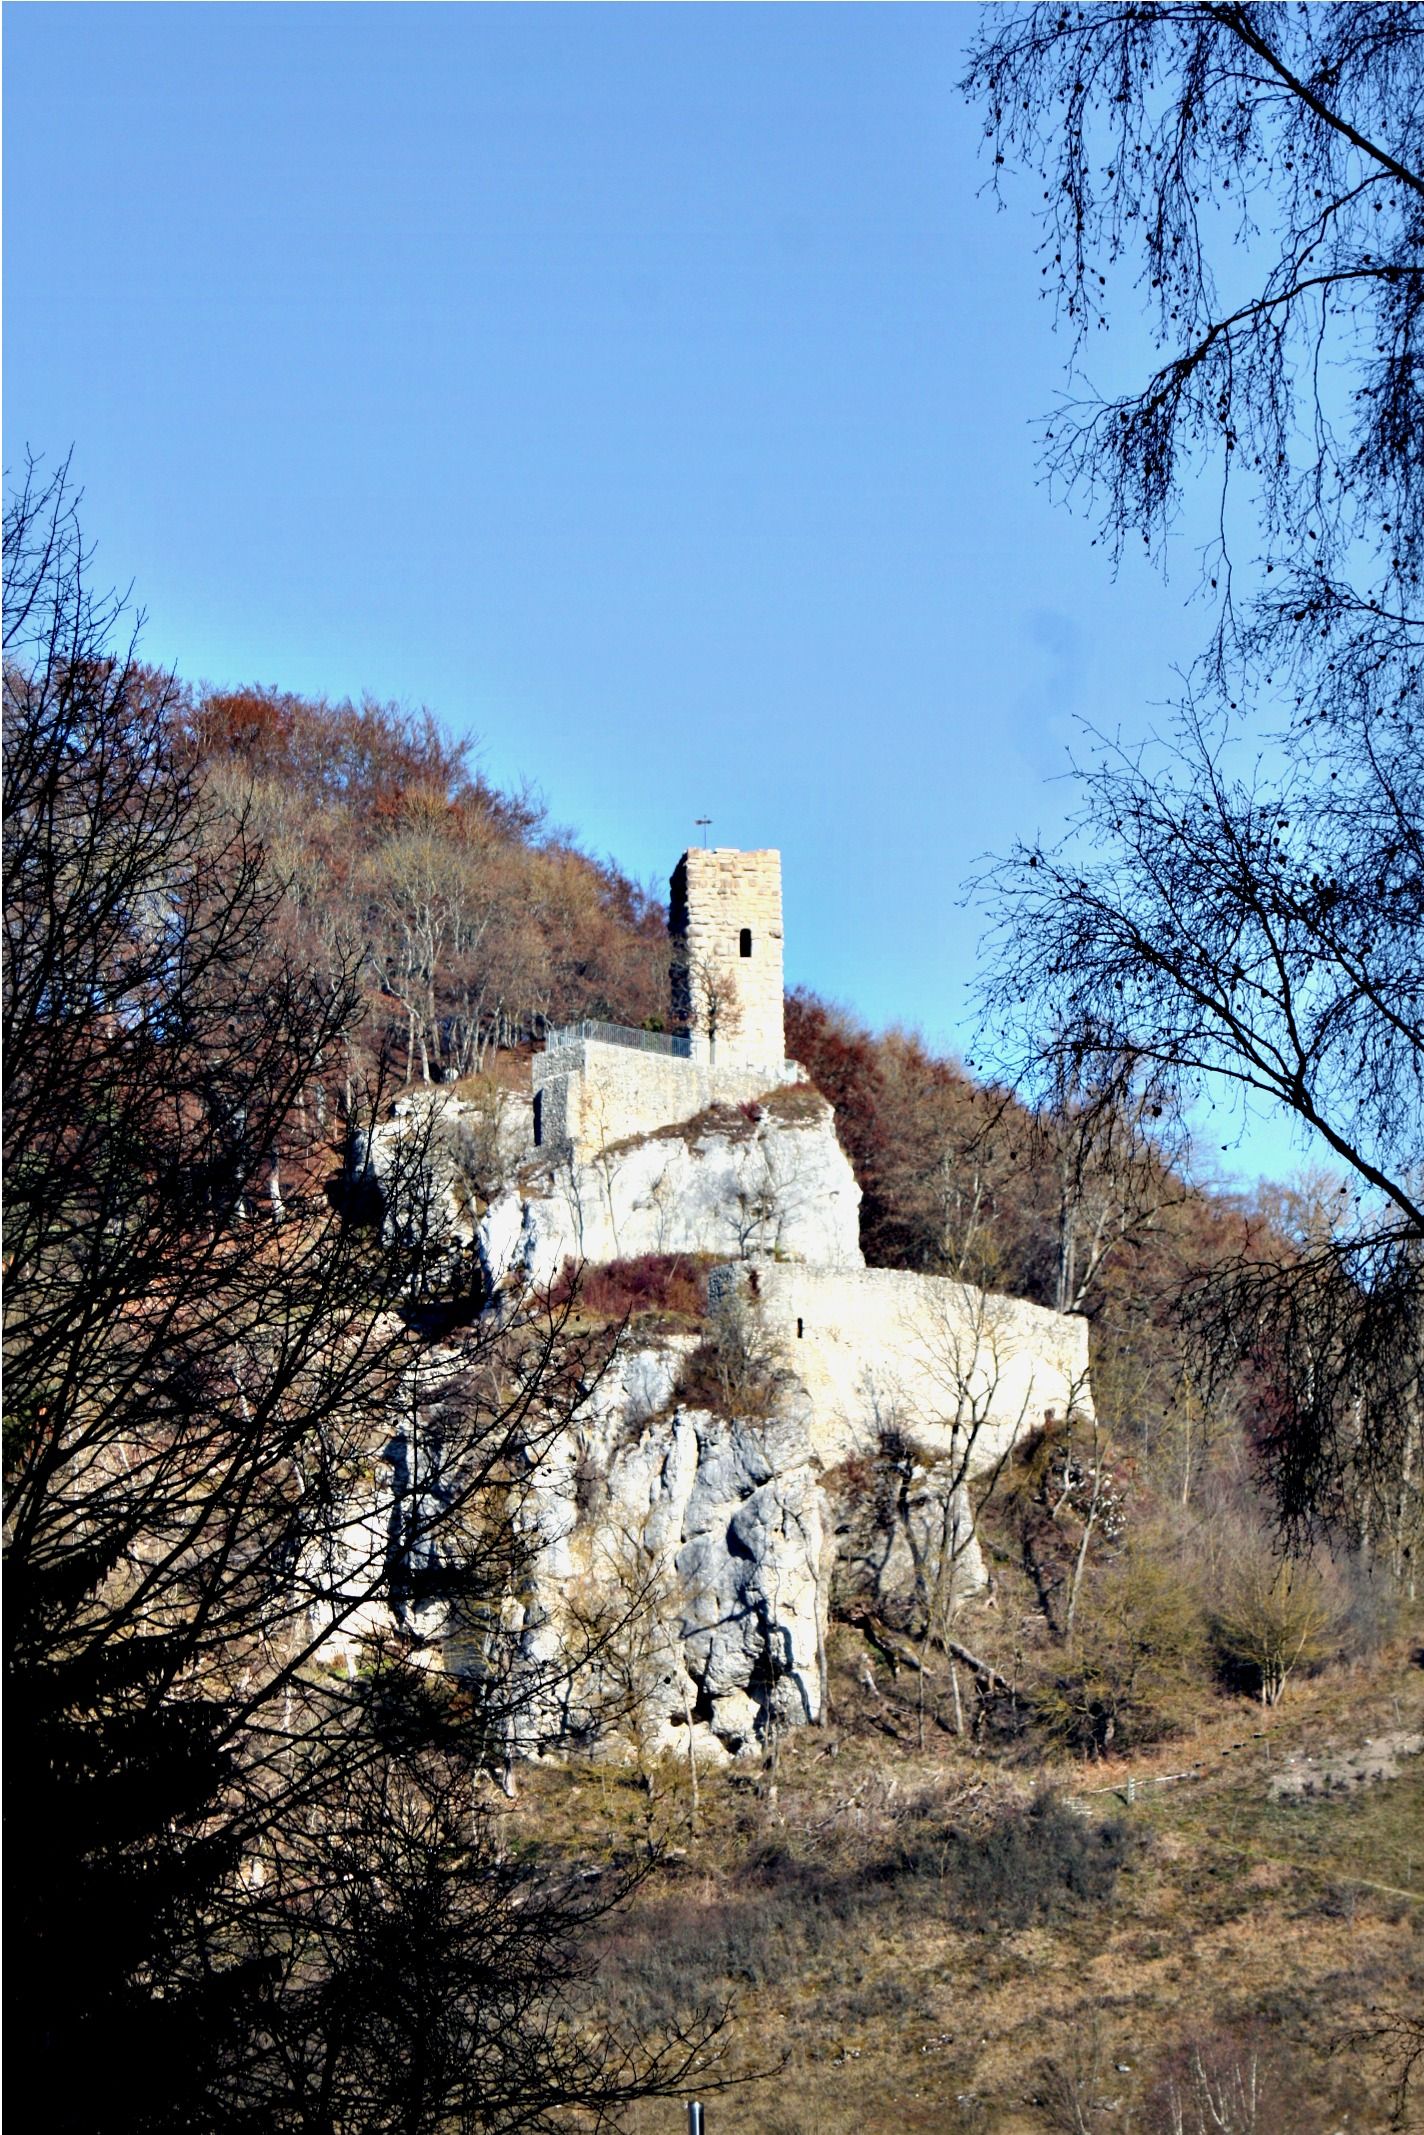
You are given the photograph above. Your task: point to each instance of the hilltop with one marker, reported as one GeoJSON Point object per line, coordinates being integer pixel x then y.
{"type": "Point", "coordinates": [1130, 1949]}
{"type": "Point", "coordinates": [682, 1478]}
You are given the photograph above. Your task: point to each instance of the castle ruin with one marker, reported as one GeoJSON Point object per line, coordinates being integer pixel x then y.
{"type": "Point", "coordinates": [872, 1347]}
{"type": "Point", "coordinates": [705, 1141]}
{"type": "Point", "coordinates": [597, 1084]}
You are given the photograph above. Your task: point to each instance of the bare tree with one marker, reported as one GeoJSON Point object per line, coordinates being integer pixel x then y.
{"type": "Point", "coordinates": [1273, 1617]}
{"type": "Point", "coordinates": [1232, 910]}
{"type": "Point", "coordinates": [707, 999]}
{"type": "Point", "coordinates": [629, 1612]}
{"type": "Point", "coordinates": [1069, 2086]}
{"type": "Point", "coordinates": [964, 1355]}
{"type": "Point", "coordinates": [1256, 174]}
{"type": "Point", "coordinates": [1111, 1172]}
{"type": "Point", "coordinates": [1395, 2036]}
{"type": "Point", "coordinates": [739, 1368]}
{"type": "Point", "coordinates": [256, 1889]}
{"type": "Point", "coordinates": [1229, 2100]}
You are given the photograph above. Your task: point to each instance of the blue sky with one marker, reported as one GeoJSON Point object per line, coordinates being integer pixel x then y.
{"type": "Point", "coordinates": [648, 391]}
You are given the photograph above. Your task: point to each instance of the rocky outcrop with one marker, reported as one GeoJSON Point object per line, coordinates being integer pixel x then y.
{"type": "Point", "coordinates": [717, 1492]}
{"type": "Point", "coordinates": [696, 1556]}
{"type": "Point", "coordinates": [764, 1177]}
{"type": "Point", "coordinates": [768, 1177]}
{"type": "Point", "coordinates": [436, 1161]}
{"type": "Point", "coordinates": [688, 1553]}
{"type": "Point", "coordinates": [680, 1567]}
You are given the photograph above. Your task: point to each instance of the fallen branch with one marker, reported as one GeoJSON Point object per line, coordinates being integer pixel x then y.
{"type": "Point", "coordinates": [985, 1673]}
{"type": "Point", "coordinates": [900, 1657]}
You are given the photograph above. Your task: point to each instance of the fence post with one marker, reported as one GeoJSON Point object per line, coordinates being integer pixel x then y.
{"type": "Point", "coordinates": [694, 2116]}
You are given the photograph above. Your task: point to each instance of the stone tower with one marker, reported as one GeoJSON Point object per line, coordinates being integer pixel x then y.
{"type": "Point", "coordinates": [725, 922]}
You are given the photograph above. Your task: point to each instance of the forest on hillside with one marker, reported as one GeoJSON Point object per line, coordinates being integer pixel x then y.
{"type": "Point", "coordinates": [476, 923]}
{"type": "Point", "coordinates": [1127, 1835]}
{"type": "Point", "coordinates": [240, 927]}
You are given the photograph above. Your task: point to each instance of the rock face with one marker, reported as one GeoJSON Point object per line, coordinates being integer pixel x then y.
{"type": "Point", "coordinates": [767, 1177]}
{"type": "Point", "coordinates": [436, 1156]}
{"type": "Point", "coordinates": [739, 1541]}
{"type": "Point", "coordinates": [719, 1491]}
{"type": "Point", "coordinates": [699, 1554]}
{"type": "Point", "coordinates": [695, 1546]}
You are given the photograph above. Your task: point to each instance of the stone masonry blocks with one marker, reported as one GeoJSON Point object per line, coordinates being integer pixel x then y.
{"type": "Point", "coordinates": [592, 1094]}
{"type": "Point", "coordinates": [727, 978]}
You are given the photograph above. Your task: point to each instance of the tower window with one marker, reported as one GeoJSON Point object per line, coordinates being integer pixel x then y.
{"type": "Point", "coordinates": [746, 941]}
{"type": "Point", "coordinates": [800, 1329]}
{"type": "Point", "coordinates": [538, 1119]}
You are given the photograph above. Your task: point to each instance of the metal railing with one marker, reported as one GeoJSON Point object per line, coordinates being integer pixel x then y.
{"type": "Point", "coordinates": [672, 1043]}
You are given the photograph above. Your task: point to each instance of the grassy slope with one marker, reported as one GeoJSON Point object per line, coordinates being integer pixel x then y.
{"type": "Point", "coordinates": [821, 1912]}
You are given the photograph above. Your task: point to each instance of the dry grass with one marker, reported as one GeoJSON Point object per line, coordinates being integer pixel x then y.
{"type": "Point", "coordinates": [833, 1911]}
{"type": "Point", "coordinates": [504, 1071]}
{"type": "Point", "coordinates": [797, 1103]}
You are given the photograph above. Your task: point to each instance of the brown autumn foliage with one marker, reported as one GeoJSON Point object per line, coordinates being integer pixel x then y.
{"type": "Point", "coordinates": [477, 921]}
{"type": "Point", "coordinates": [665, 1285]}
{"type": "Point", "coordinates": [477, 925]}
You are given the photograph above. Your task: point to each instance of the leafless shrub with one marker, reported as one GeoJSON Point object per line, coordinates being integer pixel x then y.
{"type": "Point", "coordinates": [1069, 2086]}
{"type": "Point", "coordinates": [1229, 2084]}
{"type": "Point", "coordinates": [736, 1371]}
{"type": "Point", "coordinates": [1276, 1616]}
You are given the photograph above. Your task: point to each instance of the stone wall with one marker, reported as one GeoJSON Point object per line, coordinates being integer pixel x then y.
{"type": "Point", "coordinates": [727, 983]}
{"type": "Point", "coordinates": [592, 1094]}
{"type": "Point", "coordinates": [952, 1370]}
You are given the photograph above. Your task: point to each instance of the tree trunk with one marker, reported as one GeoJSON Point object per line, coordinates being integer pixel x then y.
{"type": "Point", "coordinates": [691, 1757]}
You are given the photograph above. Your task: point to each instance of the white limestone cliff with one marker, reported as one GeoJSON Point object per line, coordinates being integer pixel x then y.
{"type": "Point", "coordinates": [765, 1177]}
{"type": "Point", "coordinates": [695, 1552]}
